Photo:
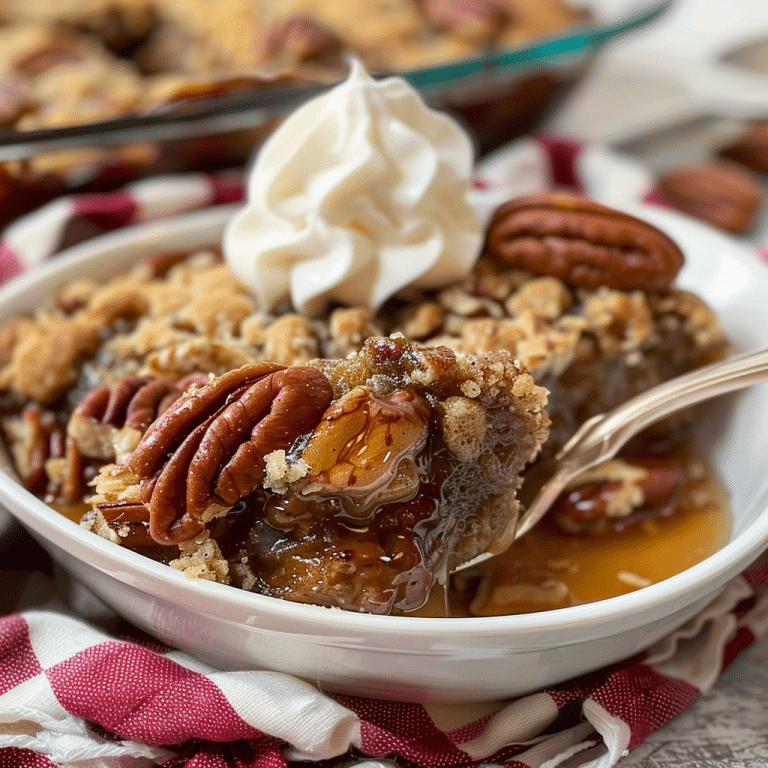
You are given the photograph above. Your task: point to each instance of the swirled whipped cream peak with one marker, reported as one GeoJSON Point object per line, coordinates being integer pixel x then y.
{"type": "Point", "coordinates": [361, 192]}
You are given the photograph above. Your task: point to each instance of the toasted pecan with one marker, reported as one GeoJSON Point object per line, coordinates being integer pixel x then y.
{"type": "Point", "coordinates": [478, 20]}
{"type": "Point", "coordinates": [582, 242]}
{"type": "Point", "coordinates": [207, 451]}
{"type": "Point", "coordinates": [631, 489]}
{"type": "Point", "coordinates": [750, 147]}
{"type": "Point", "coordinates": [724, 194]}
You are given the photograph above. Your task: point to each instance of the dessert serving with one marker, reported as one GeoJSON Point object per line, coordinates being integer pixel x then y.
{"type": "Point", "coordinates": [350, 400]}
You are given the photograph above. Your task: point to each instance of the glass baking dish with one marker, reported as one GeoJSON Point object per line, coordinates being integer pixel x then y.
{"type": "Point", "coordinates": [499, 95]}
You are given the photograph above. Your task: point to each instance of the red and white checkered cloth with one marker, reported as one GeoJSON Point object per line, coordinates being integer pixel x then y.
{"type": "Point", "coordinates": [72, 695]}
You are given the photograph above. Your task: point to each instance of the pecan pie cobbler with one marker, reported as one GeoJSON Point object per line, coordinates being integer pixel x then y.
{"type": "Point", "coordinates": [353, 458]}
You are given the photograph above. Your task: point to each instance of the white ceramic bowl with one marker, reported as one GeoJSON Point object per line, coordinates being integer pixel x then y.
{"type": "Point", "coordinates": [410, 658]}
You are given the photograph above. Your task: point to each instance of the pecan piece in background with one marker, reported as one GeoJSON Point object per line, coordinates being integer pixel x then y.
{"type": "Point", "coordinates": [583, 243]}
{"type": "Point", "coordinates": [621, 492]}
{"type": "Point", "coordinates": [723, 194]}
{"type": "Point", "coordinates": [300, 38]}
{"type": "Point", "coordinates": [50, 54]}
{"type": "Point", "coordinates": [15, 99]}
{"type": "Point", "coordinates": [478, 20]}
{"type": "Point", "coordinates": [44, 440]}
{"type": "Point", "coordinates": [206, 452]}
{"type": "Point", "coordinates": [750, 148]}
{"type": "Point", "coordinates": [129, 520]}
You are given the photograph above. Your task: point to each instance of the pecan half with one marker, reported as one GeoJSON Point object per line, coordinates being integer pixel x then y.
{"type": "Point", "coordinates": [110, 420]}
{"type": "Point", "coordinates": [15, 99]}
{"type": "Point", "coordinates": [44, 440]}
{"type": "Point", "coordinates": [300, 38]}
{"type": "Point", "coordinates": [39, 60]}
{"type": "Point", "coordinates": [643, 486]}
{"type": "Point", "coordinates": [750, 148]}
{"type": "Point", "coordinates": [364, 449]}
{"type": "Point", "coordinates": [583, 243]}
{"type": "Point", "coordinates": [134, 401]}
{"type": "Point", "coordinates": [116, 403]}
{"type": "Point", "coordinates": [207, 451]}
{"type": "Point", "coordinates": [130, 521]}
{"type": "Point", "coordinates": [477, 20]}
{"type": "Point", "coordinates": [723, 194]}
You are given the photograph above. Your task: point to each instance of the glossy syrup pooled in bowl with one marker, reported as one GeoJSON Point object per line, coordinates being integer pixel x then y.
{"type": "Point", "coordinates": [549, 568]}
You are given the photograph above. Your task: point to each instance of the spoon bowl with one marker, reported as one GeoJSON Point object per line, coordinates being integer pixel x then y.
{"type": "Point", "coordinates": [601, 437]}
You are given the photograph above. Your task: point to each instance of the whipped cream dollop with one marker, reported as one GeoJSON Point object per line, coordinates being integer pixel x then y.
{"type": "Point", "coordinates": [361, 192]}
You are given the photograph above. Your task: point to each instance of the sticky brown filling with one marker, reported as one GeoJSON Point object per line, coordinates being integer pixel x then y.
{"type": "Point", "coordinates": [312, 552]}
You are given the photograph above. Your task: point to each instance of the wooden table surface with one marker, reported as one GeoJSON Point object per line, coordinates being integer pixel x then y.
{"type": "Point", "coordinates": [727, 727]}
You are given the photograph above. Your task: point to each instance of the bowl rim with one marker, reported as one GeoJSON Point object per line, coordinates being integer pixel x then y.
{"type": "Point", "coordinates": [695, 582]}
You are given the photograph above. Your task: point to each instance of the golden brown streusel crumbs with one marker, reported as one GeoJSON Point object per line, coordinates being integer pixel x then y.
{"type": "Point", "coordinates": [200, 558]}
{"type": "Point", "coordinates": [545, 297]}
{"type": "Point", "coordinates": [94, 522]}
{"type": "Point", "coordinates": [195, 354]}
{"type": "Point", "coordinates": [291, 340]}
{"type": "Point", "coordinates": [464, 424]}
{"type": "Point", "coordinates": [280, 473]}
{"type": "Point", "coordinates": [458, 301]}
{"type": "Point", "coordinates": [11, 333]}
{"type": "Point", "coordinates": [115, 482]}
{"type": "Point", "coordinates": [630, 340]}
{"type": "Point", "coordinates": [216, 313]}
{"type": "Point", "coordinates": [490, 335]}
{"type": "Point", "coordinates": [423, 320]}
{"type": "Point", "coordinates": [46, 360]}
{"type": "Point", "coordinates": [349, 327]}
{"type": "Point", "coordinates": [102, 441]}
{"type": "Point", "coordinates": [621, 322]}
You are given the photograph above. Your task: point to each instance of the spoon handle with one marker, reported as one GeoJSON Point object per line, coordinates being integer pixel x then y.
{"type": "Point", "coordinates": [601, 437]}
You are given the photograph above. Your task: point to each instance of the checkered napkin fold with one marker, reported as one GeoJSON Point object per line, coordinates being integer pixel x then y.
{"type": "Point", "coordinates": [71, 695]}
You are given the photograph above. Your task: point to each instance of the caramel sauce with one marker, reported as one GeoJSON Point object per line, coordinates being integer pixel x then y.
{"type": "Point", "coordinates": [74, 512]}
{"type": "Point", "coordinates": [549, 569]}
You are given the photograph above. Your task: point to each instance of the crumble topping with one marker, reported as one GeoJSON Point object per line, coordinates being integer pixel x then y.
{"type": "Point", "coordinates": [280, 473]}
{"type": "Point", "coordinates": [154, 323]}
{"type": "Point", "coordinates": [77, 63]}
{"type": "Point", "coordinates": [200, 558]}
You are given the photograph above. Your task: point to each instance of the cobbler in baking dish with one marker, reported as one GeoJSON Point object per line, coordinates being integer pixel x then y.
{"type": "Point", "coordinates": [145, 48]}
{"type": "Point", "coordinates": [67, 63]}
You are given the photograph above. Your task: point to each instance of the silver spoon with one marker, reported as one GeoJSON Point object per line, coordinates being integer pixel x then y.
{"type": "Point", "coordinates": [601, 437]}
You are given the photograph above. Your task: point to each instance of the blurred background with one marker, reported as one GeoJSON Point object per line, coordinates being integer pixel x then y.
{"type": "Point", "coordinates": [96, 95]}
